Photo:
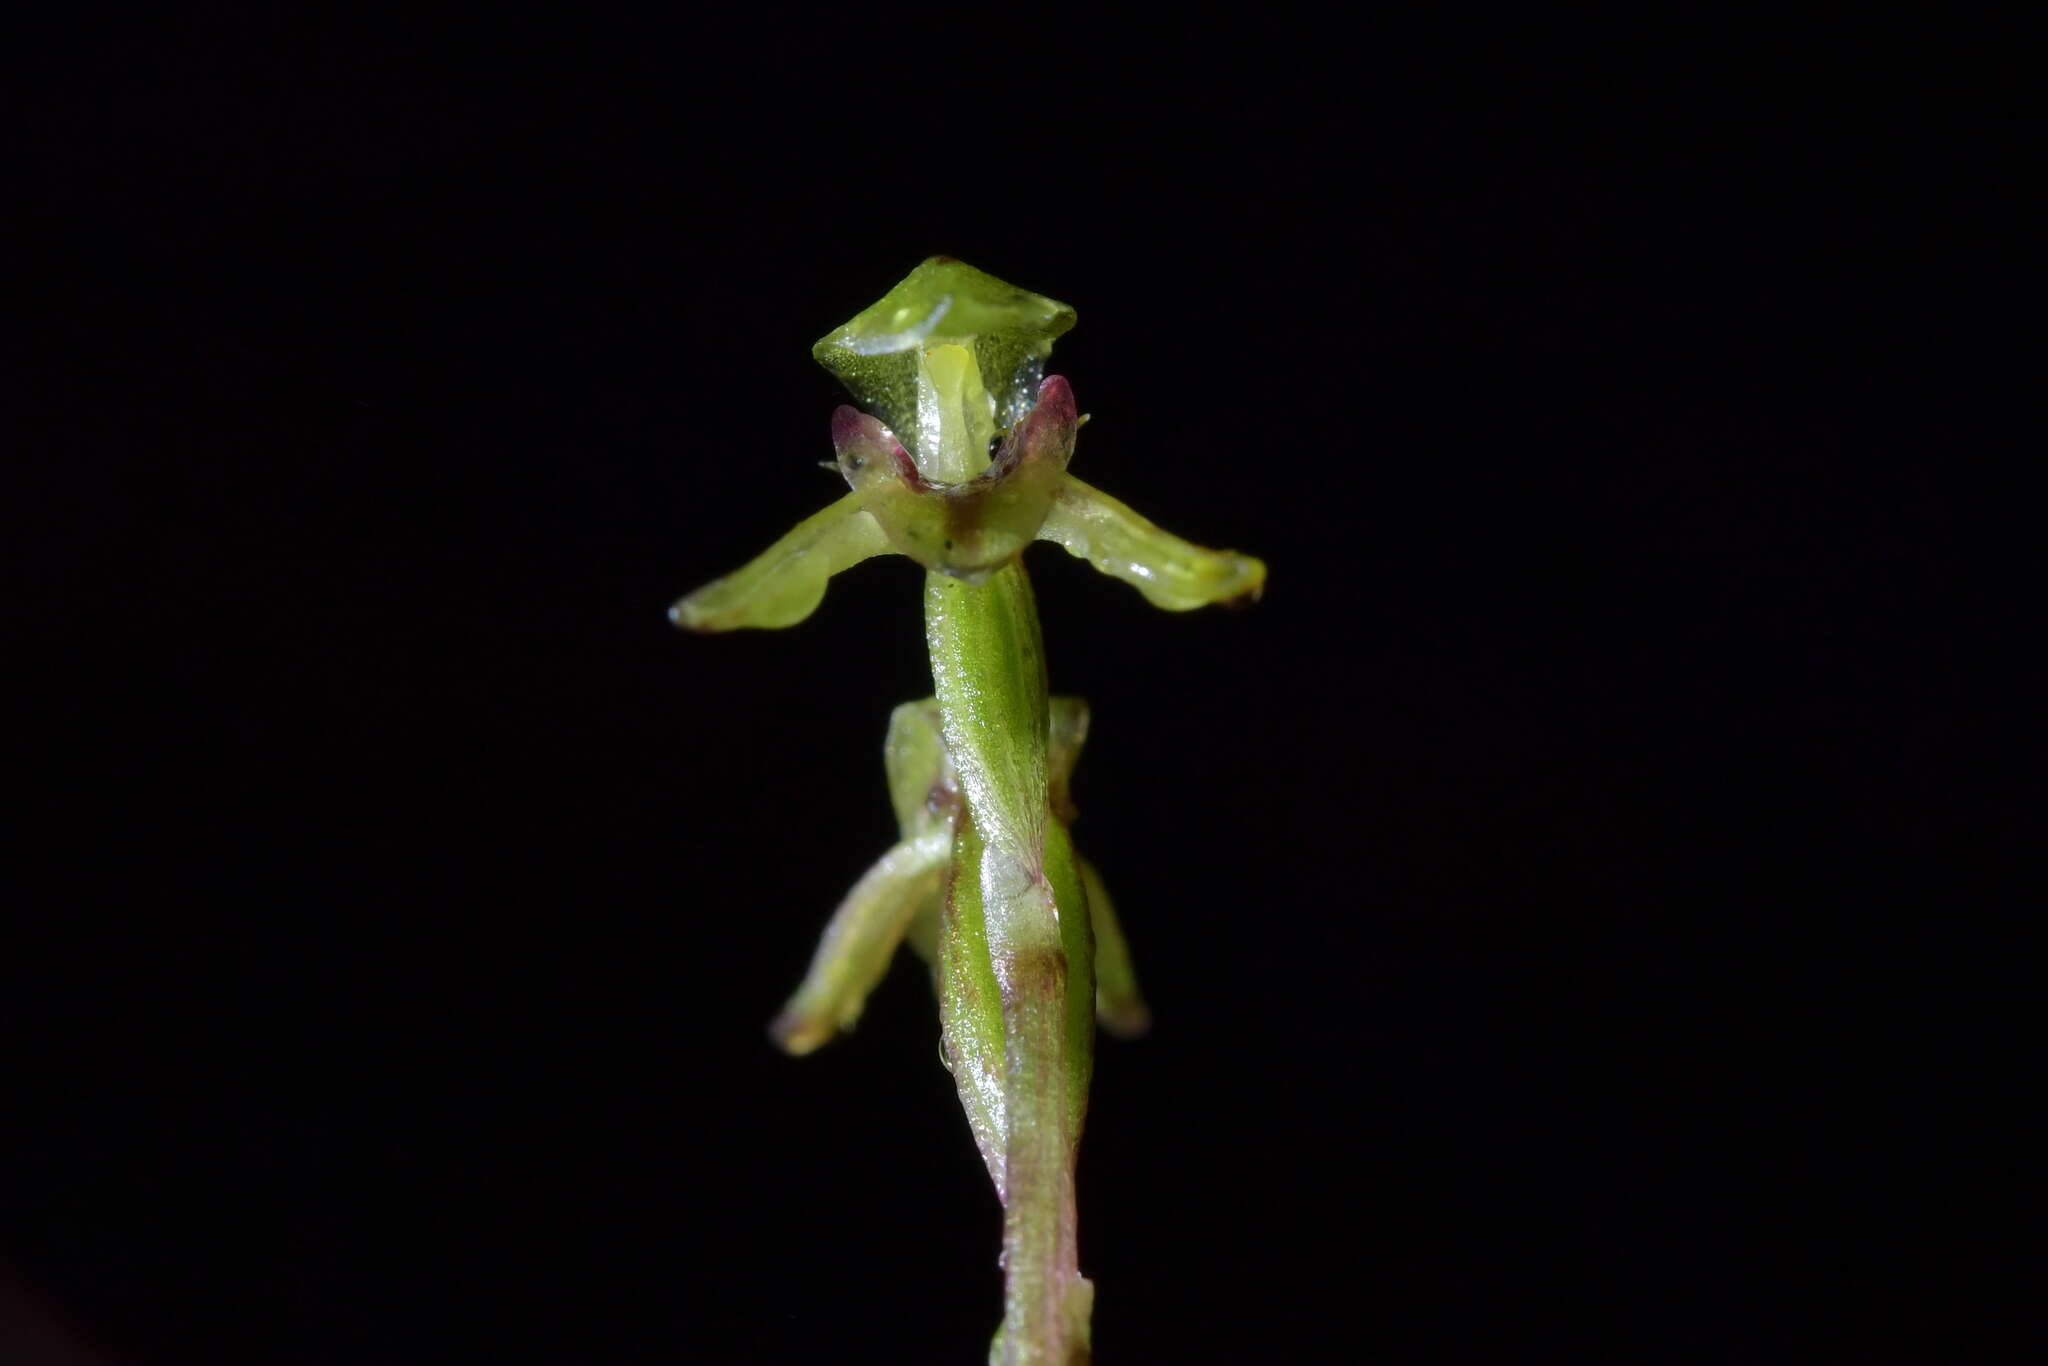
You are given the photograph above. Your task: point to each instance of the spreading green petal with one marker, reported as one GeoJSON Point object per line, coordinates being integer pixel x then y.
{"type": "Point", "coordinates": [860, 941]}
{"type": "Point", "coordinates": [1174, 574]}
{"type": "Point", "coordinates": [786, 582]}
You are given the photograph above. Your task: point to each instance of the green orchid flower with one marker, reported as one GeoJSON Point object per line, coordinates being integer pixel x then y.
{"type": "Point", "coordinates": [1023, 942]}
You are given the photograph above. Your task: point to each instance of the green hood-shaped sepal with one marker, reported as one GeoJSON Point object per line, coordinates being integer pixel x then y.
{"type": "Point", "coordinates": [1010, 332]}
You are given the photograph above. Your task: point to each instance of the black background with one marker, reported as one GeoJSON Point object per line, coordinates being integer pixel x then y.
{"type": "Point", "coordinates": [1577, 903]}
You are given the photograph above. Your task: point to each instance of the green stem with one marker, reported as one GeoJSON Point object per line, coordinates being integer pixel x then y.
{"type": "Point", "coordinates": [1018, 930]}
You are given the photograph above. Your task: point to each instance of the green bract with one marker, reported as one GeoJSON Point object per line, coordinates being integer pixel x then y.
{"type": "Point", "coordinates": [1024, 946]}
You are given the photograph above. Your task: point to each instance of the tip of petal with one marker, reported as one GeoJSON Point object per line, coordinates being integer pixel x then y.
{"type": "Point", "coordinates": [850, 424]}
{"type": "Point", "coordinates": [796, 1033]}
{"type": "Point", "coordinates": [1056, 400]}
{"type": "Point", "coordinates": [1126, 1019]}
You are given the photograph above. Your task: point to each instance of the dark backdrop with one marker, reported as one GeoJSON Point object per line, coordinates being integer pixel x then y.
{"type": "Point", "coordinates": [1575, 902]}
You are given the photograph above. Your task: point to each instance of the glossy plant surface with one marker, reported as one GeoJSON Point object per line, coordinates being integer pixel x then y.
{"type": "Point", "coordinates": [984, 883]}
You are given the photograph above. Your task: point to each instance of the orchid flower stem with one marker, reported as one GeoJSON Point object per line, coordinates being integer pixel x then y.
{"type": "Point", "coordinates": [1015, 874]}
